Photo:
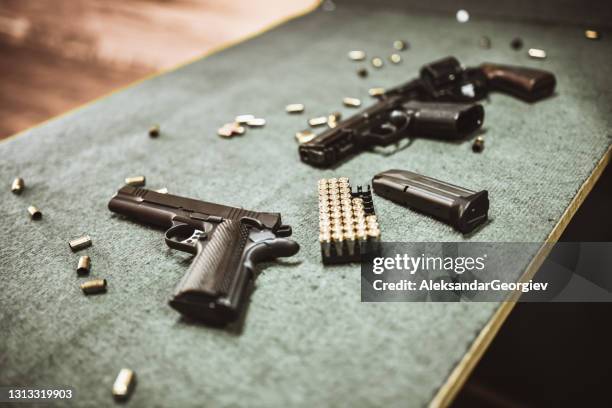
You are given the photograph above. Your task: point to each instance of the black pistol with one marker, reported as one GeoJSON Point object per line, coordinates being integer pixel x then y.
{"type": "Point", "coordinates": [463, 209]}
{"type": "Point", "coordinates": [439, 103]}
{"type": "Point", "coordinates": [227, 242]}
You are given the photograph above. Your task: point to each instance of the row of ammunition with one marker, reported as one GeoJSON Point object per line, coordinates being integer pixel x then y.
{"type": "Point", "coordinates": [348, 226]}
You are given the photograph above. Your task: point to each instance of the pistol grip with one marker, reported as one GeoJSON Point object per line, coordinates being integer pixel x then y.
{"type": "Point", "coordinates": [529, 84]}
{"type": "Point", "coordinates": [219, 279]}
{"type": "Point", "coordinates": [215, 285]}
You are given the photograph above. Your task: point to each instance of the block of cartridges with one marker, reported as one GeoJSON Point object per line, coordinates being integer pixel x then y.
{"type": "Point", "coordinates": [348, 228]}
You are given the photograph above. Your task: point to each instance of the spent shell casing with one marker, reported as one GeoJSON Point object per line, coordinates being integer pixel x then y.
{"type": "Point", "coordinates": [536, 53]}
{"type": "Point", "coordinates": [136, 181]}
{"type": "Point", "coordinates": [35, 213]}
{"type": "Point", "coordinates": [225, 131]}
{"type": "Point", "coordinates": [124, 384]}
{"type": "Point", "coordinates": [243, 119]}
{"type": "Point", "coordinates": [333, 118]}
{"type": "Point", "coordinates": [256, 122]}
{"type": "Point", "coordinates": [295, 108]}
{"type": "Point", "coordinates": [462, 16]}
{"type": "Point", "coordinates": [357, 55]}
{"type": "Point", "coordinates": [377, 62]}
{"type": "Point", "coordinates": [318, 121]}
{"type": "Point", "coordinates": [400, 45]}
{"type": "Point", "coordinates": [516, 43]}
{"type": "Point", "coordinates": [94, 286]}
{"type": "Point", "coordinates": [237, 129]}
{"type": "Point", "coordinates": [83, 265]}
{"type": "Point", "coordinates": [484, 42]}
{"type": "Point", "coordinates": [351, 102]}
{"type": "Point", "coordinates": [591, 34]}
{"type": "Point", "coordinates": [478, 145]}
{"type": "Point", "coordinates": [154, 131]}
{"type": "Point", "coordinates": [18, 185]}
{"type": "Point", "coordinates": [376, 91]}
{"type": "Point", "coordinates": [80, 243]}
{"type": "Point", "coordinates": [395, 58]}
{"type": "Point", "coordinates": [304, 136]}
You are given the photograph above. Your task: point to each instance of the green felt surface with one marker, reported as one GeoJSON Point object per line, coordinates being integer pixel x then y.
{"type": "Point", "coordinates": [307, 339]}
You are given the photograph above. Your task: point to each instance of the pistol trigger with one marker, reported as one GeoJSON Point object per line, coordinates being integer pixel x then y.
{"type": "Point", "coordinates": [252, 222]}
{"type": "Point", "coordinates": [184, 237]}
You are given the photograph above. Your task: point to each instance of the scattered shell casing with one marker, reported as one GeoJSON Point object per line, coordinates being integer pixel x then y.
{"type": "Point", "coordinates": [351, 102]}
{"type": "Point", "coordinates": [295, 108]}
{"type": "Point", "coordinates": [225, 131]}
{"type": "Point", "coordinates": [162, 190]}
{"type": "Point", "coordinates": [478, 145]}
{"type": "Point", "coordinates": [237, 129]}
{"type": "Point", "coordinates": [94, 286]}
{"type": "Point", "coordinates": [400, 45]}
{"type": "Point", "coordinates": [136, 181]}
{"type": "Point", "coordinates": [536, 53]}
{"type": "Point", "coordinates": [243, 119]}
{"type": "Point", "coordinates": [80, 243]}
{"type": "Point", "coordinates": [231, 129]}
{"type": "Point", "coordinates": [377, 62]}
{"type": "Point", "coordinates": [462, 16]}
{"type": "Point", "coordinates": [591, 34]}
{"type": "Point", "coordinates": [333, 119]}
{"type": "Point", "coordinates": [484, 42]}
{"type": "Point", "coordinates": [154, 131]}
{"type": "Point", "coordinates": [395, 58]}
{"type": "Point", "coordinates": [83, 265]}
{"type": "Point", "coordinates": [18, 185]}
{"type": "Point", "coordinates": [35, 213]}
{"type": "Point", "coordinates": [362, 72]}
{"type": "Point", "coordinates": [256, 122]}
{"type": "Point", "coordinates": [357, 55]}
{"type": "Point", "coordinates": [124, 384]}
{"type": "Point", "coordinates": [516, 43]}
{"type": "Point", "coordinates": [318, 121]}
{"type": "Point", "coordinates": [304, 136]}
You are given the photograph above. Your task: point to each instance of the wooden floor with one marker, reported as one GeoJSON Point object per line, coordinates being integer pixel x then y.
{"type": "Point", "coordinates": [57, 55]}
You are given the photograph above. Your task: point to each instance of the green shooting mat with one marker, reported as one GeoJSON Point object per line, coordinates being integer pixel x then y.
{"type": "Point", "coordinates": [307, 339]}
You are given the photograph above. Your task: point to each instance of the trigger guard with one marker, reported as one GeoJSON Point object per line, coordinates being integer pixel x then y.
{"type": "Point", "coordinates": [389, 132]}
{"type": "Point", "coordinates": [190, 235]}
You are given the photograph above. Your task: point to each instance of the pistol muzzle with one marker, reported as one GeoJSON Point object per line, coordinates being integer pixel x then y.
{"type": "Point", "coordinates": [444, 120]}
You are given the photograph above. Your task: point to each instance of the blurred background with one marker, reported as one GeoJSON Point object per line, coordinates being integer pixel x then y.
{"type": "Point", "coordinates": [57, 55]}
